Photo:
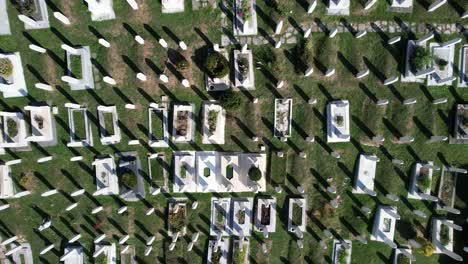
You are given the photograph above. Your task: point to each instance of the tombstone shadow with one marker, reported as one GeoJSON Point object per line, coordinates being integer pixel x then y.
{"type": "Point", "coordinates": [131, 64]}
{"type": "Point", "coordinates": [265, 17]}
{"type": "Point", "coordinates": [267, 36]}
{"type": "Point", "coordinates": [61, 37]}
{"type": "Point", "coordinates": [268, 74]}
{"type": "Point", "coordinates": [395, 132]}
{"type": "Point", "coordinates": [204, 37]}
{"type": "Point", "coordinates": [322, 68]}
{"type": "Point", "coordinates": [396, 93]}
{"type": "Point", "coordinates": [368, 92]}
{"type": "Point", "coordinates": [363, 127]}
{"type": "Point", "coordinates": [31, 39]}
{"type": "Point", "coordinates": [116, 225]}
{"type": "Point", "coordinates": [72, 180]}
{"type": "Point", "coordinates": [348, 26]}
{"type": "Point", "coordinates": [346, 63]}
{"type": "Point", "coordinates": [296, 25]}
{"type": "Point", "coordinates": [380, 75]}
{"type": "Point", "coordinates": [239, 143]}
{"type": "Point", "coordinates": [129, 29]}
{"type": "Point", "coordinates": [301, 93]}
{"type": "Point", "coordinates": [247, 131]}
{"type": "Point", "coordinates": [95, 32]}
{"type": "Point", "coordinates": [58, 60]}
{"type": "Point", "coordinates": [152, 32]}
{"type": "Point", "coordinates": [143, 228]}
{"type": "Point", "coordinates": [171, 34]}
{"type": "Point", "coordinates": [427, 133]}
{"type": "Point", "coordinates": [121, 95]}
{"type": "Point", "coordinates": [321, 25]}
{"type": "Point", "coordinates": [36, 74]}
{"type": "Point", "coordinates": [99, 67]}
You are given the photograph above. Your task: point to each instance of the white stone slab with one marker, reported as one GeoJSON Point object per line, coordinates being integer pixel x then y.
{"type": "Point", "coordinates": [101, 9]}
{"type": "Point", "coordinates": [383, 229]}
{"type": "Point", "coordinates": [215, 136]}
{"type": "Point", "coordinates": [14, 85]}
{"type": "Point", "coordinates": [446, 53]}
{"type": "Point", "coordinates": [172, 6]}
{"type": "Point", "coordinates": [189, 135]}
{"type": "Point", "coordinates": [338, 131]}
{"type": "Point", "coordinates": [4, 21]}
{"type": "Point", "coordinates": [365, 174]}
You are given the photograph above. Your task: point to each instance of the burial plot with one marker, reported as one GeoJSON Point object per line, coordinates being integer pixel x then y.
{"type": "Point", "coordinates": [7, 186]}
{"type": "Point", "coordinates": [443, 64]}
{"type": "Point", "coordinates": [14, 131]}
{"type": "Point", "coordinates": [101, 9]}
{"type": "Point", "coordinates": [177, 218]}
{"type": "Point", "coordinates": [283, 118]}
{"type": "Point", "coordinates": [338, 121]}
{"type": "Point", "coordinates": [218, 251]}
{"type": "Point", "coordinates": [241, 250]}
{"type": "Point", "coordinates": [241, 212]}
{"type": "Point", "coordinates": [73, 255]}
{"type": "Point", "coordinates": [447, 189]}
{"type": "Point", "coordinates": [410, 74]}
{"type": "Point", "coordinates": [441, 235]}
{"type": "Point", "coordinates": [243, 69]}
{"type": "Point", "coordinates": [220, 216]}
{"type": "Point", "coordinates": [220, 81]}
{"type": "Point", "coordinates": [278, 168]}
{"type": "Point", "coordinates": [183, 126]}
{"type": "Point", "coordinates": [128, 255]}
{"type": "Point", "coordinates": [460, 127]}
{"type": "Point", "coordinates": [184, 172]}
{"type": "Point", "coordinates": [80, 68]}
{"type": "Point", "coordinates": [207, 171]}
{"type": "Point", "coordinates": [21, 254]}
{"type": "Point", "coordinates": [214, 122]}
{"type": "Point", "coordinates": [463, 64]}
{"type": "Point", "coordinates": [421, 180]}
{"type": "Point", "coordinates": [265, 215]}
{"type": "Point", "coordinates": [34, 14]}
{"type": "Point", "coordinates": [297, 215]}
{"type": "Point", "coordinates": [158, 133]}
{"type": "Point", "coordinates": [132, 187]}
{"type": "Point", "coordinates": [12, 81]}
{"type": "Point", "coordinates": [338, 7]}
{"type": "Point", "coordinates": [372, 115]}
{"type": "Point", "coordinates": [158, 173]}
{"type": "Point", "coordinates": [172, 6]}
{"type": "Point", "coordinates": [109, 130]}
{"type": "Point", "coordinates": [341, 253]}
{"type": "Point", "coordinates": [365, 174]}
{"type": "Point", "coordinates": [383, 229]}
{"type": "Point", "coordinates": [108, 253]}
{"type": "Point", "coordinates": [80, 128]}
{"type": "Point", "coordinates": [107, 182]}
{"type": "Point", "coordinates": [4, 21]}
{"type": "Point", "coordinates": [401, 255]}
{"type": "Point", "coordinates": [43, 130]}
{"type": "Point", "coordinates": [245, 19]}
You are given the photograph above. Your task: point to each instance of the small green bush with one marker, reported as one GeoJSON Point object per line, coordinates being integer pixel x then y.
{"type": "Point", "coordinates": [421, 58]}
{"type": "Point", "coordinates": [230, 100]}
{"type": "Point", "coordinates": [444, 235]}
{"type": "Point", "coordinates": [402, 259]}
{"type": "Point", "coordinates": [255, 174]}
{"type": "Point", "coordinates": [182, 63]}
{"type": "Point", "coordinates": [128, 179]}
{"type": "Point", "coordinates": [12, 128]}
{"type": "Point", "coordinates": [243, 65]}
{"type": "Point", "coordinates": [217, 65]}
{"type": "Point", "coordinates": [6, 67]}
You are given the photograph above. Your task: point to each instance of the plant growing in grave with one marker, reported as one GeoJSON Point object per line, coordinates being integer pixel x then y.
{"type": "Point", "coordinates": [402, 259]}
{"type": "Point", "coordinates": [296, 215]}
{"type": "Point", "coordinates": [216, 256]}
{"type": "Point", "coordinates": [101, 259]}
{"type": "Point", "coordinates": [243, 65]}
{"type": "Point", "coordinates": [216, 65]}
{"type": "Point", "coordinates": [220, 217]}
{"type": "Point", "coordinates": [265, 215]}
{"type": "Point", "coordinates": [339, 120]}
{"type": "Point", "coordinates": [239, 255]}
{"type": "Point", "coordinates": [229, 172]}
{"type": "Point", "coordinates": [423, 180]}
{"type": "Point", "coordinates": [128, 179]}
{"type": "Point", "coordinates": [6, 67]}
{"type": "Point", "coordinates": [342, 256]}
{"type": "Point", "coordinates": [241, 216]}
{"type": "Point", "coordinates": [420, 59]}
{"type": "Point", "coordinates": [183, 171]}
{"type": "Point", "coordinates": [12, 128]}
{"type": "Point", "coordinates": [75, 66]}
{"type": "Point", "coordinates": [25, 7]}
{"type": "Point", "coordinates": [177, 220]}
{"type": "Point", "coordinates": [244, 10]}
{"type": "Point", "coordinates": [444, 235]}
{"type": "Point", "coordinates": [230, 100]}
{"type": "Point", "coordinates": [39, 120]}
{"type": "Point", "coordinates": [427, 249]}
{"type": "Point", "coordinates": [442, 63]}
{"type": "Point", "coordinates": [182, 123]}
{"type": "Point", "coordinates": [181, 63]}
{"type": "Point", "coordinates": [255, 174]}
{"type": "Point", "coordinates": [212, 120]}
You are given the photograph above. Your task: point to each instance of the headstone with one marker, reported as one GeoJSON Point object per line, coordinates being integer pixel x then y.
{"type": "Point", "coordinates": [244, 48]}
{"type": "Point", "coordinates": [75, 238]}
{"type": "Point", "coordinates": [362, 73]}
{"type": "Point", "coordinates": [280, 154]}
{"type": "Point", "coordinates": [391, 80]}
{"type": "Point", "coordinates": [369, 4]}
{"type": "Point", "coordinates": [334, 203]}
{"type": "Point", "coordinates": [302, 155]}
{"type": "Point", "coordinates": [123, 239]}
{"type": "Point", "coordinates": [99, 238]}
{"type": "Point", "coordinates": [307, 33]}
{"type": "Point", "coordinates": [130, 106]}
{"type": "Point", "coordinates": [394, 40]}
{"type": "Point", "coordinates": [361, 33]}
{"type": "Point", "coordinates": [21, 194]}
{"type": "Point", "coordinates": [382, 102]}
{"type": "Point", "coordinates": [97, 210]}
{"type": "Point", "coordinates": [142, 77]}
{"type": "Point", "coordinates": [278, 44]}
{"type": "Point", "coordinates": [300, 243]}
{"type": "Point", "coordinates": [172, 246]}
{"type": "Point", "coordinates": [133, 4]}
{"type": "Point", "coordinates": [310, 139]}
{"type": "Point", "coordinates": [464, 15]}
{"type": "Point", "coordinates": [458, 170]}
{"type": "Point", "coordinates": [414, 243]}
{"type": "Point", "coordinates": [436, 5]}
{"type": "Point", "coordinates": [122, 209]}
{"type": "Point", "coordinates": [366, 210]}
{"type": "Point", "coordinates": [264, 248]}
{"type": "Point", "coordinates": [44, 159]}
{"type": "Point", "coordinates": [378, 139]}
{"type": "Point", "coordinates": [323, 244]}
{"type": "Point", "coordinates": [104, 42]}
{"type": "Point", "coordinates": [328, 233]}
{"type": "Point", "coordinates": [331, 189]}
{"type": "Point", "coordinates": [311, 6]}
{"type": "Point", "coordinates": [424, 72]}
{"type": "Point", "coordinates": [278, 189]}
{"type": "Point", "coordinates": [164, 78]}
{"type": "Point", "coordinates": [190, 246]}
{"type": "Point", "coordinates": [76, 158]}
{"type": "Point", "coordinates": [43, 86]}
{"type": "Point", "coordinates": [49, 193]}
{"type": "Point", "coordinates": [447, 80]}
{"type": "Point", "coordinates": [182, 45]}
{"type": "Point", "coordinates": [150, 240]}
{"type": "Point", "coordinates": [9, 240]}
{"type": "Point", "coordinates": [440, 101]}
{"type": "Point", "coordinates": [163, 43]}
{"type": "Point", "coordinates": [70, 80]}
{"type": "Point", "coordinates": [279, 27]}
{"type": "Point", "coordinates": [186, 83]}
{"type": "Point", "coordinates": [438, 138]}
{"type": "Point", "coordinates": [109, 80]}
{"type": "Point", "coordinates": [69, 49]}
{"type": "Point", "coordinates": [300, 189]}
{"type": "Point", "coordinates": [255, 100]}
{"type": "Point", "coordinates": [333, 33]}
{"type": "Point", "coordinates": [47, 249]}
{"type": "Point", "coordinates": [13, 162]}
{"type": "Point", "coordinates": [71, 206]}
{"type": "Point", "coordinates": [428, 197]}
{"type": "Point", "coordinates": [78, 192]}
{"type": "Point", "coordinates": [62, 18]}
{"type": "Point", "coordinates": [452, 225]}
{"type": "Point", "coordinates": [124, 249]}
{"type": "Point", "coordinates": [195, 237]}
{"type": "Point", "coordinates": [410, 101]}
{"type": "Point", "coordinates": [450, 210]}
{"type": "Point", "coordinates": [451, 254]}
{"type": "Point", "coordinates": [330, 72]}
{"type": "Point", "coordinates": [309, 71]}
{"type": "Point", "coordinates": [425, 38]}
{"type": "Point", "coordinates": [37, 48]}
{"type": "Point", "coordinates": [312, 101]}
{"type": "Point", "coordinates": [362, 239]}
{"type": "Point", "coordinates": [194, 205]}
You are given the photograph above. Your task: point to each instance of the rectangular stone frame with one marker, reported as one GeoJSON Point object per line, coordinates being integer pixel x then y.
{"type": "Point", "coordinates": [365, 173]}
{"type": "Point", "coordinates": [463, 66]}
{"type": "Point", "coordinates": [332, 130]}
{"type": "Point", "coordinates": [218, 136]}
{"type": "Point", "coordinates": [239, 28]}
{"type": "Point", "coordinates": [217, 84]}
{"type": "Point", "coordinates": [291, 202]}
{"type": "Point", "coordinates": [89, 136]}
{"type": "Point", "coordinates": [106, 165]}
{"type": "Point", "coordinates": [250, 84]}
{"type": "Point", "coordinates": [223, 246]}
{"type": "Point", "coordinates": [7, 187]}
{"type": "Point", "coordinates": [189, 184]}
{"type": "Point", "coordinates": [271, 228]}
{"type": "Point", "coordinates": [226, 204]}
{"type": "Point", "coordinates": [435, 236]}
{"type": "Point", "coordinates": [4, 21]}
{"type": "Point", "coordinates": [190, 137]}
{"type": "Point", "coordinates": [161, 159]}
{"type": "Point", "coordinates": [380, 215]}
{"type": "Point", "coordinates": [47, 136]}
{"type": "Point", "coordinates": [41, 7]}
{"type": "Point", "coordinates": [153, 141]}
{"type": "Point", "coordinates": [413, 188]}
{"type": "Point", "coordinates": [116, 137]}
{"type": "Point", "coordinates": [87, 79]}
{"type": "Point", "coordinates": [278, 101]}
{"type": "Point", "coordinates": [139, 192]}
{"type": "Point", "coordinates": [20, 140]}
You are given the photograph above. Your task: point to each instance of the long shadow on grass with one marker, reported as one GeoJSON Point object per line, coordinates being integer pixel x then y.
{"type": "Point", "coordinates": [422, 127]}
{"type": "Point", "coordinates": [241, 145]}
{"type": "Point", "coordinates": [171, 34]}
{"type": "Point", "coordinates": [395, 132]}
{"type": "Point", "coordinates": [363, 127]}
{"type": "Point", "coordinates": [266, 17]}
{"type": "Point", "coordinates": [301, 92]}
{"type": "Point", "coordinates": [347, 64]}
{"type": "Point", "coordinates": [36, 74]}
{"type": "Point", "coordinates": [373, 69]}
{"type": "Point", "coordinates": [61, 36]}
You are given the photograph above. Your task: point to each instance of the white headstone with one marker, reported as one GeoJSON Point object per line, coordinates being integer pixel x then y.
{"type": "Point", "coordinates": [390, 80]}
{"type": "Point", "coordinates": [37, 48]}
{"type": "Point", "coordinates": [49, 193]}
{"type": "Point", "coordinates": [4, 206]}
{"type": "Point", "coordinates": [164, 78]}
{"type": "Point", "coordinates": [150, 240]}
{"type": "Point", "coordinates": [148, 250]}
{"type": "Point", "coordinates": [362, 73]}
{"type": "Point", "coordinates": [69, 49]}
{"type": "Point", "coordinates": [109, 80]}
{"type": "Point", "coordinates": [279, 27]}
{"type": "Point", "coordinates": [369, 4]}
{"type": "Point", "coordinates": [75, 238]}
{"type": "Point", "coordinates": [139, 40]}
{"type": "Point", "coordinates": [43, 86]}
{"type": "Point", "coordinates": [361, 33]}
{"type": "Point", "coordinates": [122, 209]}
{"type": "Point", "coordinates": [70, 80]}
{"type": "Point", "coordinates": [62, 18]}
{"type": "Point", "coordinates": [186, 83]}
{"type": "Point", "coordinates": [142, 77]}
{"type": "Point", "coordinates": [182, 45]}
{"type": "Point", "coordinates": [78, 192]}
{"type": "Point", "coordinates": [330, 72]}
{"type": "Point", "coordinates": [130, 106]}
{"type": "Point", "coordinates": [311, 6]}
{"type": "Point", "coordinates": [163, 43]}
{"type": "Point", "coordinates": [104, 42]}
{"type": "Point", "coordinates": [150, 211]}
{"type": "Point", "coordinates": [133, 4]}
{"type": "Point", "coordinates": [99, 238]}
{"type": "Point", "coordinates": [307, 33]}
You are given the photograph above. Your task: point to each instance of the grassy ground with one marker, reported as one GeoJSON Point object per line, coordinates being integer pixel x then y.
{"type": "Point", "coordinates": [125, 57]}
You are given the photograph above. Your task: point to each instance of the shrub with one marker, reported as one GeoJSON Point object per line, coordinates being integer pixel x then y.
{"type": "Point", "coordinates": [243, 65]}
{"type": "Point", "coordinates": [342, 256]}
{"type": "Point", "coordinates": [12, 128]}
{"type": "Point", "coordinates": [427, 249]}
{"type": "Point", "coordinates": [26, 7]}
{"type": "Point", "coordinates": [6, 67]}
{"type": "Point", "coordinates": [217, 65]}
{"type": "Point", "coordinates": [442, 63]}
{"type": "Point", "coordinates": [101, 259]}
{"type": "Point", "coordinates": [402, 259]}
{"type": "Point", "coordinates": [182, 63]}
{"type": "Point", "coordinates": [255, 174]}
{"type": "Point", "coordinates": [421, 58]}
{"type": "Point", "coordinates": [230, 100]}
{"type": "Point", "coordinates": [128, 179]}
{"type": "Point", "coordinates": [444, 235]}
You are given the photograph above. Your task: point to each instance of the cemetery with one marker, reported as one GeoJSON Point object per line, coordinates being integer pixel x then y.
{"type": "Point", "coordinates": [139, 131]}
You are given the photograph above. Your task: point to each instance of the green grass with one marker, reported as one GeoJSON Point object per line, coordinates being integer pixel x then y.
{"type": "Point", "coordinates": [79, 125]}
{"type": "Point", "coordinates": [108, 124]}
{"type": "Point", "coordinates": [75, 66]}
{"type": "Point", "coordinates": [157, 125]}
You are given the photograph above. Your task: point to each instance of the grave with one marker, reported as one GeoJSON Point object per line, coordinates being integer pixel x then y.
{"type": "Point", "coordinates": [297, 215]}
{"type": "Point", "coordinates": [37, 18]}
{"type": "Point", "coordinates": [129, 164]}
{"type": "Point", "coordinates": [421, 180]}
{"type": "Point", "coordinates": [245, 19]}
{"type": "Point", "coordinates": [107, 182]}
{"type": "Point", "coordinates": [402, 6]}
{"type": "Point", "coordinates": [14, 84]}
{"type": "Point", "coordinates": [243, 69]}
{"type": "Point", "coordinates": [43, 124]}
{"type": "Point", "coordinates": [4, 21]}
{"type": "Point", "coordinates": [441, 235]}
{"type": "Point", "coordinates": [383, 229]}
{"type": "Point", "coordinates": [101, 9]}
{"type": "Point", "coordinates": [127, 254]}
{"type": "Point", "coordinates": [338, 7]}
{"type": "Point", "coordinates": [172, 6]}
{"type": "Point", "coordinates": [214, 122]}
{"type": "Point", "coordinates": [158, 173]}
{"type": "Point", "coordinates": [338, 248]}
{"type": "Point", "coordinates": [218, 250]}
{"type": "Point", "coordinates": [79, 67]}
{"type": "Point", "coordinates": [183, 126]}
{"type": "Point", "coordinates": [409, 75]}
{"type": "Point", "coordinates": [80, 130]}
{"type": "Point", "coordinates": [365, 174]}
{"type": "Point", "coordinates": [265, 215]}
{"type": "Point", "coordinates": [460, 128]}
{"type": "Point", "coordinates": [7, 186]}
{"type": "Point", "coordinates": [109, 130]}
{"type": "Point", "coordinates": [463, 64]}
{"type": "Point", "coordinates": [338, 121]}
{"type": "Point", "coordinates": [283, 118]}
{"type": "Point", "coordinates": [14, 133]}
{"type": "Point", "coordinates": [108, 253]}
{"type": "Point", "coordinates": [443, 63]}
{"type": "Point", "coordinates": [158, 131]}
